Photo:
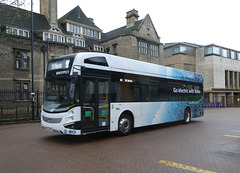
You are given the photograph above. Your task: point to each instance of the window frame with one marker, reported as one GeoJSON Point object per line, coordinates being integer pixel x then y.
{"type": "Point", "coordinates": [143, 47]}
{"type": "Point", "coordinates": [21, 59]}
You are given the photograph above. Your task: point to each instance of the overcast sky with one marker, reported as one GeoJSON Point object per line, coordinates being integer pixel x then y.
{"type": "Point", "coordinates": [196, 21]}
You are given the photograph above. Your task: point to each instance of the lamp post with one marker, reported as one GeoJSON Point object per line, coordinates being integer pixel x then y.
{"type": "Point", "coordinates": [44, 49]}
{"type": "Point", "coordinates": [32, 93]}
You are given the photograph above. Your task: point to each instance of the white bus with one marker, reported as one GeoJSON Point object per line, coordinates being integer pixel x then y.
{"type": "Point", "coordinates": [92, 92]}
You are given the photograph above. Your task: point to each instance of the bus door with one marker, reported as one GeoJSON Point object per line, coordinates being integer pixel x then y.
{"type": "Point", "coordinates": [95, 104]}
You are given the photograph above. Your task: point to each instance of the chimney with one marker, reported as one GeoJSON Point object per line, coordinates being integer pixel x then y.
{"type": "Point", "coordinates": [132, 17]}
{"type": "Point", "coordinates": [49, 9]}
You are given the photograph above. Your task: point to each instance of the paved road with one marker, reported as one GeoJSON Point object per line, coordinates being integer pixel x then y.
{"type": "Point", "coordinates": [210, 143]}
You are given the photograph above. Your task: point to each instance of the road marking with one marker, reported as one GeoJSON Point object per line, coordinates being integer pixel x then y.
{"type": "Point", "coordinates": [185, 167]}
{"type": "Point", "coordinates": [232, 136]}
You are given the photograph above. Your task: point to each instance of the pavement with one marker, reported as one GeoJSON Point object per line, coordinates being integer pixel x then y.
{"type": "Point", "coordinates": [208, 144]}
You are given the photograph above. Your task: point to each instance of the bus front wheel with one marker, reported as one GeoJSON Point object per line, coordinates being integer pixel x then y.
{"type": "Point", "coordinates": [125, 125]}
{"type": "Point", "coordinates": [187, 116]}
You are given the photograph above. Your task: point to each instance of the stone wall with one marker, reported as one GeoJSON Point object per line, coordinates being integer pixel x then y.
{"type": "Point", "coordinates": [9, 74]}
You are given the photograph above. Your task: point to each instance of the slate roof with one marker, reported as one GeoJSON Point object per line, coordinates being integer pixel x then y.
{"type": "Point", "coordinates": [77, 15]}
{"type": "Point", "coordinates": [121, 31]}
{"type": "Point", "coordinates": [91, 41]}
{"type": "Point", "coordinates": [168, 45]}
{"type": "Point", "coordinates": [20, 18]}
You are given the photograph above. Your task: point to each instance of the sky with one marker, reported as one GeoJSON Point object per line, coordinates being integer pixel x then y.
{"type": "Point", "coordinates": [202, 22]}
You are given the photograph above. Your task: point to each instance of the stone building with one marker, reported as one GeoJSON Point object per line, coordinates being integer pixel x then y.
{"type": "Point", "coordinates": [72, 33]}
{"type": "Point", "coordinates": [181, 55]}
{"type": "Point", "coordinates": [53, 37]}
{"type": "Point", "coordinates": [138, 39]}
{"type": "Point", "coordinates": [220, 67]}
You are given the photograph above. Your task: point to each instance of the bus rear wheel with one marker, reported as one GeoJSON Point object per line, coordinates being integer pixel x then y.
{"type": "Point", "coordinates": [187, 116]}
{"type": "Point", "coordinates": [125, 125]}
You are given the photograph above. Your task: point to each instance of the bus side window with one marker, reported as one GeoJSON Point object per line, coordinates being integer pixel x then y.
{"type": "Point", "coordinates": [145, 93]}
{"type": "Point", "coordinates": [163, 90]}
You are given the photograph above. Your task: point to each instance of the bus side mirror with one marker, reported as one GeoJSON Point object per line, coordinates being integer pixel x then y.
{"type": "Point", "coordinates": [75, 77]}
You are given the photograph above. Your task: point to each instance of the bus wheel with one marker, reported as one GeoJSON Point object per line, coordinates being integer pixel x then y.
{"type": "Point", "coordinates": [187, 116]}
{"type": "Point", "coordinates": [125, 125]}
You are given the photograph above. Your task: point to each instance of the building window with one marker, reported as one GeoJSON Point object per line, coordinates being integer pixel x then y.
{"type": "Point", "coordinates": [20, 32]}
{"type": "Point", "coordinates": [14, 32]}
{"type": "Point", "coordinates": [239, 79]}
{"type": "Point", "coordinates": [18, 60]}
{"type": "Point", "coordinates": [96, 34]}
{"type": "Point", "coordinates": [212, 50]}
{"type": "Point", "coordinates": [72, 28]}
{"type": "Point", "coordinates": [154, 50]}
{"type": "Point", "coordinates": [225, 53]}
{"type": "Point", "coordinates": [84, 31]}
{"type": "Point", "coordinates": [115, 49]}
{"type": "Point", "coordinates": [25, 34]}
{"type": "Point", "coordinates": [21, 60]}
{"type": "Point", "coordinates": [97, 49]}
{"type": "Point", "coordinates": [88, 32]}
{"type": "Point", "coordinates": [233, 54]}
{"type": "Point", "coordinates": [55, 38]}
{"type": "Point", "coordinates": [22, 91]}
{"type": "Point", "coordinates": [180, 49]}
{"type": "Point", "coordinates": [25, 60]}
{"type": "Point", "coordinates": [235, 79]}
{"type": "Point", "coordinates": [51, 37]}
{"type": "Point", "coordinates": [46, 36]}
{"type": "Point", "coordinates": [9, 31]}
{"type": "Point", "coordinates": [226, 79]}
{"type": "Point", "coordinates": [18, 91]}
{"type": "Point", "coordinates": [143, 47]}
{"type": "Point", "coordinates": [59, 39]}
{"type": "Point", "coordinates": [231, 79]}
{"type": "Point", "coordinates": [238, 56]}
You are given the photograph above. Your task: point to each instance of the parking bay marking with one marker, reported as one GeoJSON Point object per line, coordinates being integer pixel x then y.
{"type": "Point", "coordinates": [233, 136]}
{"type": "Point", "coordinates": [185, 167]}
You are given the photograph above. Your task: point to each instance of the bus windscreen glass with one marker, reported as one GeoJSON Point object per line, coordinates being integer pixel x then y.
{"type": "Point", "coordinates": [59, 95]}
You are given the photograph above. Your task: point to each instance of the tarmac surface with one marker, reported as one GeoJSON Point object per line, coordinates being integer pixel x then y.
{"type": "Point", "coordinates": [207, 144]}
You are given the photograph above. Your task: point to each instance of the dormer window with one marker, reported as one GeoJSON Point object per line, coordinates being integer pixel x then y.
{"type": "Point", "coordinates": [180, 49]}
{"type": "Point", "coordinates": [18, 32]}
{"type": "Point", "coordinates": [75, 29]}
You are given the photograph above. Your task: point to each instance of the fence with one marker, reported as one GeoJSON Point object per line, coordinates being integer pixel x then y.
{"type": "Point", "coordinates": [17, 106]}
{"type": "Point", "coordinates": [223, 101]}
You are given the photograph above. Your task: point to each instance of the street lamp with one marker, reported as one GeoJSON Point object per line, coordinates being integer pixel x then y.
{"type": "Point", "coordinates": [32, 93]}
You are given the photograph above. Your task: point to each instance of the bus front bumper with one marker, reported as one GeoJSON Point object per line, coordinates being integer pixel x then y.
{"type": "Point", "coordinates": [64, 123]}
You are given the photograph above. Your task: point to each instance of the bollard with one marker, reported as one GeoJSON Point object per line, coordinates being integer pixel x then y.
{"type": "Point", "coordinates": [28, 113]}
{"type": "Point", "coordinates": [16, 114]}
{"type": "Point", "coordinates": [37, 115]}
{"type": "Point", "coordinates": [1, 114]}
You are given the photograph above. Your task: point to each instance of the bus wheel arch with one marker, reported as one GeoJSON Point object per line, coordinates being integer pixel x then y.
{"type": "Point", "coordinates": [125, 123]}
{"type": "Point", "coordinates": [187, 115]}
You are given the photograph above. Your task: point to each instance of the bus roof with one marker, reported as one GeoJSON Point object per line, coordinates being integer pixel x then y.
{"type": "Point", "coordinates": [121, 64]}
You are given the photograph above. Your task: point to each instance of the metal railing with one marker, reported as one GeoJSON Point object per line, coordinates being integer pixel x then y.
{"type": "Point", "coordinates": [222, 101]}
{"type": "Point", "coordinates": [15, 106]}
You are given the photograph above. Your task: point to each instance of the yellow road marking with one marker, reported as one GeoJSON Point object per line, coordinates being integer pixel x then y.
{"type": "Point", "coordinates": [185, 167]}
{"type": "Point", "coordinates": [232, 136]}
